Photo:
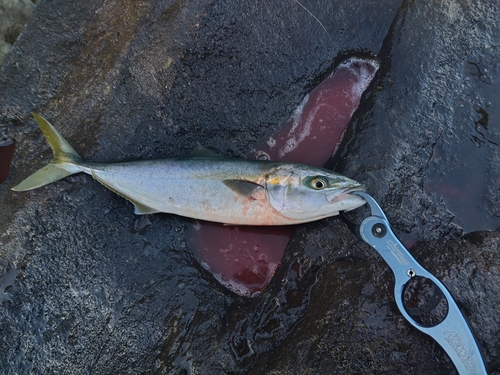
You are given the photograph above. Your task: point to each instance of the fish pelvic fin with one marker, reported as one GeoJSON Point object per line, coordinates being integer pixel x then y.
{"type": "Point", "coordinates": [64, 161]}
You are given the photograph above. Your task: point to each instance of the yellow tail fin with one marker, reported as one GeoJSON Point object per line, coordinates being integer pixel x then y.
{"type": "Point", "coordinates": [63, 163]}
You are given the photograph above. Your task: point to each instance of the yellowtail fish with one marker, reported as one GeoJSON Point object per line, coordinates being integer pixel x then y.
{"type": "Point", "coordinates": [209, 187]}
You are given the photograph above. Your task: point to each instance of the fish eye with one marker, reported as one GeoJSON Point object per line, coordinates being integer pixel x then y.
{"type": "Point", "coordinates": [318, 183]}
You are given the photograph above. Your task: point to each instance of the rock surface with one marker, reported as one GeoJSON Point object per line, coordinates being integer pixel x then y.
{"type": "Point", "coordinates": [13, 15]}
{"type": "Point", "coordinates": [87, 287]}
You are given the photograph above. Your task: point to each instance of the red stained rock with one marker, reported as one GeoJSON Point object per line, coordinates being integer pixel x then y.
{"type": "Point", "coordinates": [316, 128]}
{"type": "Point", "coordinates": [242, 258]}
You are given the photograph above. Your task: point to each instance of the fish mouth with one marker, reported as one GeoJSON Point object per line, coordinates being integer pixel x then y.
{"type": "Point", "coordinates": [342, 193]}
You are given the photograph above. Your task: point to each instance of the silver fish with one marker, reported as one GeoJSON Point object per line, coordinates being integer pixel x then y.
{"type": "Point", "coordinates": [209, 187]}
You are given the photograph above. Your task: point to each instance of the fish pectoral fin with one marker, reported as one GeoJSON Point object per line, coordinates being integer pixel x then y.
{"type": "Point", "coordinates": [247, 189]}
{"type": "Point", "coordinates": [203, 152]}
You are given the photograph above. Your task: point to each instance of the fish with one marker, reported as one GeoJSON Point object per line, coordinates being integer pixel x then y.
{"type": "Point", "coordinates": [207, 186]}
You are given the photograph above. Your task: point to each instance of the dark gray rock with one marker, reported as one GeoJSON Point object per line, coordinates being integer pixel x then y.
{"type": "Point", "coordinates": [13, 15]}
{"type": "Point", "coordinates": [96, 292]}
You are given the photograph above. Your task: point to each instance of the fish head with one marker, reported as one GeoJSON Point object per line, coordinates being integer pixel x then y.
{"type": "Point", "coordinates": [302, 193]}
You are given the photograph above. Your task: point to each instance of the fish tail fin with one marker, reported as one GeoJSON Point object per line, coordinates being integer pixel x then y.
{"type": "Point", "coordinates": [64, 162]}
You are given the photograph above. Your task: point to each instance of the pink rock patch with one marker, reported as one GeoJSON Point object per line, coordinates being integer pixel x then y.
{"type": "Point", "coordinates": [316, 128]}
{"type": "Point", "coordinates": [244, 259]}
{"type": "Point", "coordinates": [6, 154]}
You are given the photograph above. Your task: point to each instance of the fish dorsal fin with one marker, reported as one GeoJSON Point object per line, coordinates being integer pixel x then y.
{"type": "Point", "coordinates": [203, 152]}
{"type": "Point", "coordinates": [247, 189]}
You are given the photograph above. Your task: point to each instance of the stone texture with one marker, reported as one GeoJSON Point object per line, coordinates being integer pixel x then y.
{"type": "Point", "coordinates": [13, 15]}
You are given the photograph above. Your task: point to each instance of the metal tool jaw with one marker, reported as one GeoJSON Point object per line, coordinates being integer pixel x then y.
{"type": "Point", "coordinates": [422, 299]}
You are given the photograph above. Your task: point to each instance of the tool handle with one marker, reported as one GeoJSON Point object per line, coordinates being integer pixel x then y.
{"type": "Point", "coordinates": [423, 300]}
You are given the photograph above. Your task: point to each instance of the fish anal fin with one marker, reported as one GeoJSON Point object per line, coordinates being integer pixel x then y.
{"type": "Point", "coordinates": [139, 208]}
{"type": "Point", "coordinates": [203, 152]}
{"type": "Point", "coordinates": [247, 189]}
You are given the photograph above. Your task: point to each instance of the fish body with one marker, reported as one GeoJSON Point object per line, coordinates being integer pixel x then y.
{"type": "Point", "coordinates": [209, 187]}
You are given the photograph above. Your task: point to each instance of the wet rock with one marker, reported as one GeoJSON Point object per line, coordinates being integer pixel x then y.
{"type": "Point", "coordinates": [123, 81]}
